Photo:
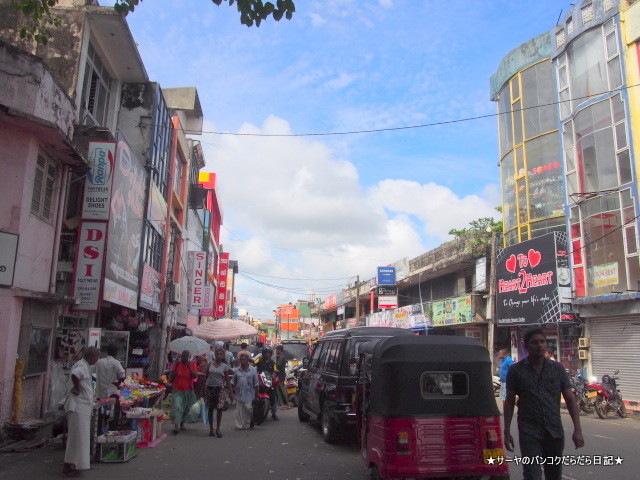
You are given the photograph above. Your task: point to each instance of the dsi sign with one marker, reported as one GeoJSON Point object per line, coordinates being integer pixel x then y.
{"type": "Point", "coordinates": [386, 275]}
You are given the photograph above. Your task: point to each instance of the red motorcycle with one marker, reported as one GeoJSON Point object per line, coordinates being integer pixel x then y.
{"type": "Point", "coordinates": [608, 397]}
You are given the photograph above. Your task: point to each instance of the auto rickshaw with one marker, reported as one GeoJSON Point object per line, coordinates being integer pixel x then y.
{"type": "Point", "coordinates": [425, 409]}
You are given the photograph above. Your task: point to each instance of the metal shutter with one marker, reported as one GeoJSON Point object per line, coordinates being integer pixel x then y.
{"type": "Point", "coordinates": [615, 345]}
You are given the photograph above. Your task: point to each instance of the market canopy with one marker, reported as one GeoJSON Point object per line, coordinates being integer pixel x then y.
{"type": "Point", "coordinates": [224, 329]}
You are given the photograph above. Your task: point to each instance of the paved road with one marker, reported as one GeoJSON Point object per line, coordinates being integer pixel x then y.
{"type": "Point", "coordinates": [290, 450]}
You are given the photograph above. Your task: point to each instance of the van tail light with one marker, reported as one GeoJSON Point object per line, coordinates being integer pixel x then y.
{"type": "Point", "coordinates": [492, 439]}
{"type": "Point", "coordinates": [403, 447]}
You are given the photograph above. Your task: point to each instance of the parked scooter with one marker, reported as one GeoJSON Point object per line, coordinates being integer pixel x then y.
{"type": "Point", "coordinates": [291, 384]}
{"type": "Point", "coordinates": [262, 405]}
{"type": "Point", "coordinates": [585, 393]}
{"type": "Point", "coordinates": [608, 398]}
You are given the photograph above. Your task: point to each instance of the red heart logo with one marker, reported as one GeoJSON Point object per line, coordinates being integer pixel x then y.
{"type": "Point", "coordinates": [511, 263]}
{"type": "Point", "coordinates": [534, 257]}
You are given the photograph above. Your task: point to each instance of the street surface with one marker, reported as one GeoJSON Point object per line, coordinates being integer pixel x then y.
{"type": "Point", "coordinates": [290, 450]}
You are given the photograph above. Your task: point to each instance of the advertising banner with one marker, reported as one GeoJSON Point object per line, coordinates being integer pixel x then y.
{"type": "Point", "coordinates": [8, 251]}
{"type": "Point", "coordinates": [387, 301]}
{"type": "Point", "coordinates": [528, 276]}
{"type": "Point", "coordinates": [606, 274]}
{"type": "Point", "coordinates": [157, 211]}
{"type": "Point", "coordinates": [97, 186]}
{"type": "Point", "coordinates": [198, 262]}
{"type": "Point", "coordinates": [386, 275]}
{"type": "Point", "coordinates": [125, 229]}
{"type": "Point", "coordinates": [481, 275]}
{"type": "Point", "coordinates": [221, 295]}
{"type": "Point", "coordinates": [88, 267]}
{"type": "Point", "coordinates": [208, 302]}
{"type": "Point", "coordinates": [150, 289]}
{"type": "Point", "coordinates": [452, 311]}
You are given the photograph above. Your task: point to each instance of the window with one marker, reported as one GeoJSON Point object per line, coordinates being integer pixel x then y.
{"type": "Point", "coordinates": [161, 143]}
{"type": "Point", "coordinates": [317, 353]}
{"type": "Point", "coordinates": [43, 182]}
{"type": "Point", "coordinates": [153, 248]}
{"type": "Point", "coordinates": [438, 385]}
{"type": "Point", "coordinates": [330, 363]}
{"type": "Point", "coordinates": [96, 90]}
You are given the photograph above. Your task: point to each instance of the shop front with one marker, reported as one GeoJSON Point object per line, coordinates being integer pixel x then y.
{"type": "Point", "coordinates": [534, 289]}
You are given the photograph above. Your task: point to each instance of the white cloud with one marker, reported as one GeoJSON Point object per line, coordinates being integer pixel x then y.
{"type": "Point", "coordinates": [298, 195]}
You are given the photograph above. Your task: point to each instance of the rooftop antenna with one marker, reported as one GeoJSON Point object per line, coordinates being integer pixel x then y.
{"type": "Point", "coordinates": [559, 15]}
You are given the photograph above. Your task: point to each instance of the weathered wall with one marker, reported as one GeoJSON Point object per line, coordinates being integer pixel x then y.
{"type": "Point", "coordinates": [61, 54]}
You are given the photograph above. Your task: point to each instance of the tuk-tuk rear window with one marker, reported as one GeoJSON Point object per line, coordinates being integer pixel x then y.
{"type": "Point", "coordinates": [444, 385]}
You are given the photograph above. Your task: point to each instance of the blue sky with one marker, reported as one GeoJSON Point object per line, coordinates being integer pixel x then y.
{"type": "Point", "coordinates": [337, 206]}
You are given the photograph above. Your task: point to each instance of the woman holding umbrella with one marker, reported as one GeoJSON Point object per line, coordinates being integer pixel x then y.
{"type": "Point", "coordinates": [181, 377]}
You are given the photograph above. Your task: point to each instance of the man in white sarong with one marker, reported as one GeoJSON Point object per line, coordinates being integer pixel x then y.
{"type": "Point", "coordinates": [78, 406]}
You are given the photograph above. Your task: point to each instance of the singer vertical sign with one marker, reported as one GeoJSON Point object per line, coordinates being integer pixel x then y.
{"type": "Point", "coordinates": [88, 269]}
{"type": "Point", "coordinates": [221, 295]}
{"type": "Point", "coordinates": [198, 270]}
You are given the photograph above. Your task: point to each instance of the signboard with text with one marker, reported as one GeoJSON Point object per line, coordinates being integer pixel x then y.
{"type": "Point", "coordinates": [88, 267]}
{"type": "Point", "coordinates": [198, 269]}
{"type": "Point", "coordinates": [386, 275]}
{"type": "Point", "coordinates": [97, 186]}
{"type": "Point", "coordinates": [8, 251]}
{"type": "Point", "coordinates": [150, 289]}
{"type": "Point", "coordinates": [221, 293]}
{"type": "Point", "coordinates": [534, 282]}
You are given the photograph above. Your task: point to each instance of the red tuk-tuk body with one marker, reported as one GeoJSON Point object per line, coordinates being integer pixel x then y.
{"type": "Point", "coordinates": [425, 409]}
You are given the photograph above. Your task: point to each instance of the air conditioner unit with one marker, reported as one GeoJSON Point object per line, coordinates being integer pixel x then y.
{"type": "Point", "coordinates": [174, 294]}
{"type": "Point", "coordinates": [583, 342]}
{"type": "Point", "coordinates": [583, 354]}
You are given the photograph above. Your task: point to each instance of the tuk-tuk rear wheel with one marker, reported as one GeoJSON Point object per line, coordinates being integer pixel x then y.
{"type": "Point", "coordinates": [375, 473]}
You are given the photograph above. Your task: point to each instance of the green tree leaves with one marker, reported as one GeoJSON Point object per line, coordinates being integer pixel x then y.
{"type": "Point", "coordinates": [39, 18]}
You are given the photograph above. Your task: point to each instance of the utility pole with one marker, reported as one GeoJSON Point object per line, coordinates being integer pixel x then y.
{"type": "Point", "coordinates": [357, 300]}
{"type": "Point", "coordinates": [491, 310]}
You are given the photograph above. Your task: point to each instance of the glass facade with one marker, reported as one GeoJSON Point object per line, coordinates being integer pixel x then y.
{"type": "Point", "coordinates": [530, 167]}
{"type": "Point", "coordinates": [598, 166]}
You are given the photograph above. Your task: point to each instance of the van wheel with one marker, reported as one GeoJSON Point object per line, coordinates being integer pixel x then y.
{"type": "Point", "coordinates": [330, 432]}
{"type": "Point", "coordinates": [302, 415]}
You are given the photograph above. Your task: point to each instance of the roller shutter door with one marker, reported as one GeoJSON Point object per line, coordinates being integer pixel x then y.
{"type": "Point", "coordinates": [615, 345]}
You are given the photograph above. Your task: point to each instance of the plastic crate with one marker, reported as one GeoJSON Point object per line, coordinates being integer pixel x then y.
{"type": "Point", "coordinates": [117, 449]}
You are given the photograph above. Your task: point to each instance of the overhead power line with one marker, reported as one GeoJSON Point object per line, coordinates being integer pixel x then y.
{"type": "Point", "coordinates": [406, 127]}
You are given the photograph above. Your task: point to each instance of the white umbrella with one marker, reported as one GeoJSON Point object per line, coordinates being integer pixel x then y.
{"type": "Point", "coordinates": [195, 346]}
{"type": "Point", "coordinates": [224, 329]}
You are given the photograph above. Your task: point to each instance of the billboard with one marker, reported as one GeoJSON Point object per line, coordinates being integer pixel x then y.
{"type": "Point", "coordinates": [97, 186]}
{"type": "Point", "coordinates": [221, 295]}
{"type": "Point", "coordinates": [198, 262]}
{"type": "Point", "coordinates": [452, 311]}
{"type": "Point", "coordinates": [150, 289]}
{"type": "Point", "coordinates": [534, 282]}
{"type": "Point", "coordinates": [88, 268]}
{"type": "Point", "coordinates": [386, 275]}
{"type": "Point", "coordinates": [125, 229]}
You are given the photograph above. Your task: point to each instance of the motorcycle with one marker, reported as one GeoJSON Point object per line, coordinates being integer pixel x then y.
{"type": "Point", "coordinates": [586, 393]}
{"type": "Point", "coordinates": [608, 397]}
{"type": "Point", "coordinates": [262, 405]}
{"type": "Point", "coordinates": [291, 384]}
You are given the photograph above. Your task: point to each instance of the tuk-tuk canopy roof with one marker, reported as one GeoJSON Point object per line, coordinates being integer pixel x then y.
{"type": "Point", "coordinates": [431, 349]}
{"type": "Point", "coordinates": [396, 367]}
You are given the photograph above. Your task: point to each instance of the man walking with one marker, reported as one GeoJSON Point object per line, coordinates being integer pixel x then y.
{"type": "Point", "coordinates": [245, 384]}
{"type": "Point", "coordinates": [78, 405]}
{"type": "Point", "coordinates": [110, 375]}
{"type": "Point", "coordinates": [538, 383]}
{"type": "Point", "coordinates": [507, 361]}
{"type": "Point", "coordinates": [281, 372]}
